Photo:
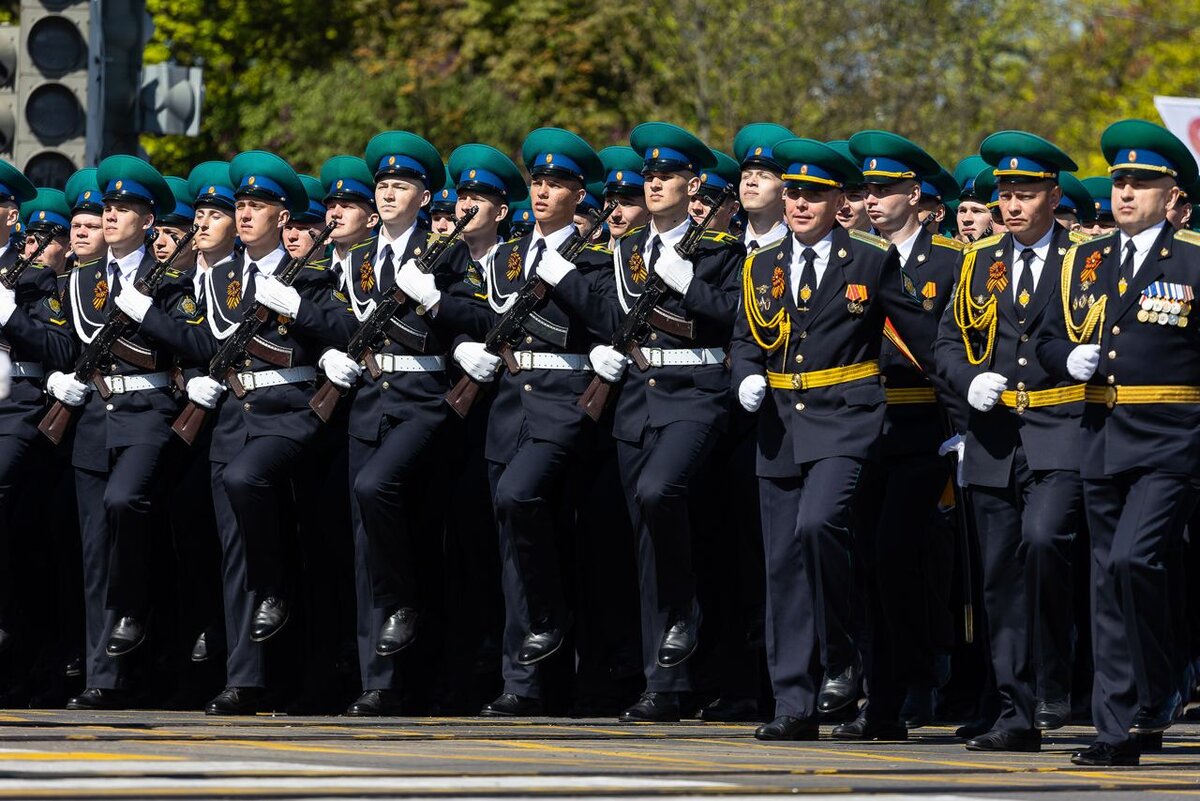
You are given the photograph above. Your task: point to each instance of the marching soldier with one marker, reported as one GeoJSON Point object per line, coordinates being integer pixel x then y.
{"type": "Point", "coordinates": [300, 229]}
{"type": "Point", "coordinates": [974, 216]}
{"type": "Point", "coordinates": [760, 191]}
{"type": "Point", "coordinates": [1100, 188]}
{"type": "Point", "coordinates": [443, 206]}
{"type": "Point", "coordinates": [853, 213]}
{"type": "Point", "coordinates": [1126, 300]}
{"type": "Point", "coordinates": [623, 183]}
{"type": "Point", "coordinates": [87, 217]}
{"type": "Point", "coordinates": [521, 221]}
{"type": "Point", "coordinates": [712, 184]}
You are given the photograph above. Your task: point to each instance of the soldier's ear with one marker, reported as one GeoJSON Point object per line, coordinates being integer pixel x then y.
{"type": "Point", "coordinates": [373, 219]}
{"type": "Point", "coordinates": [693, 185]}
{"type": "Point", "coordinates": [284, 217]}
{"type": "Point", "coordinates": [501, 212]}
{"type": "Point", "coordinates": [425, 198]}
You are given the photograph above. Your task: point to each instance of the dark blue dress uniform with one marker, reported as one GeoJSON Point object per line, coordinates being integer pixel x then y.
{"type": "Point", "coordinates": [1139, 454]}
{"type": "Point", "coordinates": [820, 422]}
{"type": "Point", "coordinates": [1021, 460]}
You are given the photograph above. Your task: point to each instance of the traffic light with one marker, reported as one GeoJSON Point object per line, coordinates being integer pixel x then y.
{"type": "Point", "coordinates": [171, 99]}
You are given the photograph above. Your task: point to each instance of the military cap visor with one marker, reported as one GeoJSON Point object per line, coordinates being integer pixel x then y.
{"type": "Point", "coordinates": [1022, 157]}
{"type": "Point", "coordinates": [83, 193]}
{"type": "Point", "coordinates": [48, 211]}
{"type": "Point", "coordinates": [265, 176]}
{"type": "Point", "coordinates": [482, 168]}
{"type": "Point", "coordinates": [623, 171]}
{"type": "Point", "coordinates": [669, 148]}
{"type": "Point", "coordinates": [1143, 149]}
{"type": "Point", "coordinates": [815, 165]}
{"type": "Point", "coordinates": [942, 186]}
{"type": "Point", "coordinates": [402, 154]}
{"type": "Point", "coordinates": [14, 186]}
{"type": "Point", "coordinates": [754, 145]}
{"type": "Point", "coordinates": [555, 152]}
{"type": "Point", "coordinates": [209, 185]}
{"type": "Point", "coordinates": [130, 178]}
{"type": "Point", "coordinates": [886, 158]}
{"type": "Point", "coordinates": [347, 178]}
{"type": "Point", "coordinates": [727, 173]}
{"type": "Point", "coordinates": [964, 175]}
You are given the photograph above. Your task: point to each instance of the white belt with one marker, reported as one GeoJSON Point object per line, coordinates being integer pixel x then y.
{"type": "Point", "coordinates": [27, 370]}
{"type": "Point", "coordinates": [403, 363]}
{"type": "Point", "coordinates": [134, 383]}
{"type": "Point", "coordinates": [275, 378]}
{"type": "Point", "coordinates": [531, 360]}
{"type": "Point", "coordinates": [683, 357]}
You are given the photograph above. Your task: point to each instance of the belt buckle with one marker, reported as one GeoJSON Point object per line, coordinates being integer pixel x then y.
{"type": "Point", "coordinates": [1110, 396]}
{"type": "Point", "coordinates": [247, 380]}
{"type": "Point", "coordinates": [1022, 401]}
{"type": "Point", "coordinates": [797, 381]}
{"type": "Point", "coordinates": [386, 362]}
{"type": "Point", "coordinates": [654, 356]}
{"type": "Point", "coordinates": [525, 359]}
{"type": "Point", "coordinates": [116, 384]}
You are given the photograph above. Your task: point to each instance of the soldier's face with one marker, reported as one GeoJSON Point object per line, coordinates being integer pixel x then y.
{"type": "Point", "coordinates": [630, 213]}
{"type": "Point", "coordinates": [760, 189]}
{"type": "Point", "coordinates": [811, 213]}
{"type": "Point", "coordinates": [1139, 203]}
{"type": "Point", "coordinates": [55, 254]}
{"type": "Point", "coordinates": [891, 206]}
{"type": "Point", "coordinates": [260, 221]}
{"type": "Point", "coordinates": [853, 212]}
{"type": "Point", "coordinates": [400, 199]}
{"type": "Point", "coordinates": [1028, 208]}
{"type": "Point", "coordinates": [164, 246]}
{"type": "Point", "coordinates": [355, 220]}
{"type": "Point", "coordinates": [298, 237]}
{"type": "Point", "coordinates": [87, 236]}
{"type": "Point", "coordinates": [1179, 214]}
{"type": "Point", "coordinates": [491, 211]}
{"type": "Point", "coordinates": [974, 220]}
{"type": "Point", "coordinates": [442, 222]}
{"type": "Point", "coordinates": [554, 200]}
{"type": "Point", "coordinates": [699, 207]}
{"type": "Point", "coordinates": [214, 230]}
{"type": "Point", "coordinates": [126, 222]}
{"type": "Point", "coordinates": [667, 192]}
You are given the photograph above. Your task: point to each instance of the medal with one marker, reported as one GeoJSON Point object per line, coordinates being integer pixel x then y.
{"type": "Point", "coordinates": [1023, 298]}
{"type": "Point", "coordinates": [1153, 317]}
{"type": "Point", "coordinates": [854, 307]}
{"type": "Point", "coordinates": [1122, 285]}
{"type": "Point", "coordinates": [1162, 319]}
{"type": "Point", "coordinates": [1182, 322]}
{"type": "Point", "coordinates": [1176, 307]}
{"type": "Point", "coordinates": [805, 293]}
{"type": "Point", "coordinates": [927, 304]}
{"type": "Point", "coordinates": [1146, 303]}
{"type": "Point", "coordinates": [1158, 305]}
{"type": "Point", "coordinates": [1143, 316]}
{"type": "Point", "coordinates": [1172, 319]}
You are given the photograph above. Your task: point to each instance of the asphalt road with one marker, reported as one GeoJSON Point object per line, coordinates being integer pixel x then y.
{"type": "Point", "coordinates": [134, 754]}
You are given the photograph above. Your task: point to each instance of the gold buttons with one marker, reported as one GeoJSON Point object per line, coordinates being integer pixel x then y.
{"type": "Point", "coordinates": [386, 341]}
{"type": "Point", "coordinates": [1020, 386]}
{"type": "Point", "coordinates": [109, 407]}
{"type": "Point", "coordinates": [1112, 379]}
{"type": "Point", "coordinates": [803, 334]}
{"type": "Point", "coordinates": [1022, 361]}
{"type": "Point", "coordinates": [1112, 354]}
{"type": "Point", "coordinates": [654, 335]}
{"type": "Point", "coordinates": [1024, 337]}
{"type": "Point", "coordinates": [248, 362]}
{"type": "Point", "coordinates": [883, 379]}
{"type": "Point", "coordinates": [799, 407]}
{"type": "Point", "coordinates": [528, 340]}
{"type": "Point", "coordinates": [386, 385]}
{"type": "Point", "coordinates": [799, 358]}
{"type": "Point", "coordinates": [529, 388]}
{"type": "Point", "coordinates": [1116, 330]}
{"type": "Point", "coordinates": [652, 382]}
{"type": "Point", "coordinates": [246, 406]}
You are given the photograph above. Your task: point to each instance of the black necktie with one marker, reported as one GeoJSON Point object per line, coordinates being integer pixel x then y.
{"type": "Point", "coordinates": [808, 278]}
{"type": "Point", "coordinates": [1126, 272]}
{"type": "Point", "coordinates": [655, 249]}
{"type": "Point", "coordinates": [200, 291]}
{"type": "Point", "coordinates": [248, 289]}
{"type": "Point", "coordinates": [539, 247]}
{"type": "Point", "coordinates": [1025, 282]}
{"type": "Point", "coordinates": [114, 286]}
{"type": "Point", "coordinates": [752, 246]}
{"type": "Point", "coordinates": [385, 267]}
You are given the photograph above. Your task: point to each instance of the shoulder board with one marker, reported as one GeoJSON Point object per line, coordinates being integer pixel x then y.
{"type": "Point", "coordinates": [1189, 236]}
{"type": "Point", "coordinates": [172, 274]}
{"type": "Point", "coordinates": [38, 266]}
{"type": "Point", "coordinates": [1108, 235]}
{"type": "Point", "coordinates": [365, 243]}
{"type": "Point", "coordinates": [631, 232]}
{"type": "Point", "coordinates": [514, 239]}
{"type": "Point", "coordinates": [870, 239]}
{"type": "Point", "coordinates": [986, 242]}
{"type": "Point", "coordinates": [88, 264]}
{"type": "Point", "coordinates": [598, 249]}
{"type": "Point", "coordinates": [1078, 237]}
{"type": "Point", "coordinates": [317, 265]}
{"type": "Point", "coordinates": [947, 242]}
{"type": "Point", "coordinates": [719, 236]}
{"type": "Point", "coordinates": [431, 237]}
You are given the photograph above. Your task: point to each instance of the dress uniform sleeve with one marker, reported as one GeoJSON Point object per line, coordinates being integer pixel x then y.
{"type": "Point", "coordinates": [950, 355]}
{"type": "Point", "coordinates": [40, 327]}
{"type": "Point", "coordinates": [717, 300]}
{"type": "Point", "coordinates": [176, 322]}
{"type": "Point", "coordinates": [590, 295]}
{"type": "Point", "coordinates": [325, 315]}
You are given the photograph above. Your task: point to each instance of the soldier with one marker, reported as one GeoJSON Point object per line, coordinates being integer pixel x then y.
{"type": "Point", "coordinates": [299, 231]}
{"type": "Point", "coordinates": [712, 184]}
{"type": "Point", "coordinates": [258, 440]}
{"type": "Point", "coordinates": [936, 192]}
{"type": "Point", "coordinates": [760, 191]}
{"type": "Point", "coordinates": [974, 216]}
{"type": "Point", "coordinates": [87, 217]}
{"type": "Point", "coordinates": [623, 183]}
{"type": "Point", "coordinates": [443, 206]}
{"type": "Point", "coordinates": [1140, 457]}
{"type": "Point", "coordinates": [1100, 188]}
{"type": "Point", "coordinates": [853, 213]}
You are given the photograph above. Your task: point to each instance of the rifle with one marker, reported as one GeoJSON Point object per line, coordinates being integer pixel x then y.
{"type": "Point", "coordinates": [10, 275]}
{"type": "Point", "coordinates": [645, 312]}
{"type": "Point", "coordinates": [379, 322]}
{"type": "Point", "coordinates": [107, 343]}
{"type": "Point", "coordinates": [508, 329]}
{"type": "Point", "coordinates": [243, 341]}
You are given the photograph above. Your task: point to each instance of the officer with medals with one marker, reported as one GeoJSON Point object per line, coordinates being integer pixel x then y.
{"type": "Point", "coordinates": [760, 190]}
{"type": "Point", "coordinates": [806, 350]}
{"type": "Point", "coordinates": [1021, 440]}
{"type": "Point", "coordinates": [712, 184]}
{"type": "Point", "coordinates": [623, 183]}
{"type": "Point", "coordinates": [1100, 188]}
{"type": "Point", "coordinates": [667, 420]}
{"type": "Point", "coordinates": [35, 339]}
{"type": "Point", "coordinates": [120, 452]}
{"type": "Point", "coordinates": [1126, 300]}
{"type": "Point", "coordinates": [87, 218]}
{"type": "Point", "coordinates": [258, 440]}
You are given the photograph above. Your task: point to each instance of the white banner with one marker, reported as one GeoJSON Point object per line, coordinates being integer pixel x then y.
{"type": "Point", "coordinates": [1181, 115]}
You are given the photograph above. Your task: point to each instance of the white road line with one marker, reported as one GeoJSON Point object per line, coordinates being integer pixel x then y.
{"type": "Point", "coordinates": [111, 767]}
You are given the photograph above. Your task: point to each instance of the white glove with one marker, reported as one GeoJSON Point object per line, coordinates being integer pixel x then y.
{"type": "Point", "coordinates": [959, 446]}
{"type": "Point", "coordinates": [341, 369]}
{"type": "Point", "coordinates": [608, 362]}
{"type": "Point", "coordinates": [275, 296]}
{"type": "Point", "coordinates": [134, 304]}
{"type": "Point", "coordinates": [676, 272]}
{"type": "Point", "coordinates": [751, 392]}
{"type": "Point", "coordinates": [5, 375]}
{"type": "Point", "coordinates": [1083, 361]}
{"type": "Point", "coordinates": [8, 304]}
{"type": "Point", "coordinates": [204, 391]}
{"type": "Point", "coordinates": [476, 361]}
{"type": "Point", "coordinates": [418, 285]}
{"type": "Point", "coordinates": [985, 390]}
{"type": "Point", "coordinates": [553, 267]}
{"type": "Point", "coordinates": [65, 388]}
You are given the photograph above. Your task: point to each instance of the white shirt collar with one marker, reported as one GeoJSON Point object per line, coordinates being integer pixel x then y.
{"type": "Point", "coordinates": [905, 248]}
{"type": "Point", "coordinates": [269, 263]}
{"type": "Point", "coordinates": [1040, 248]}
{"type": "Point", "coordinates": [778, 231]}
{"type": "Point", "coordinates": [399, 244]}
{"type": "Point", "coordinates": [553, 242]}
{"type": "Point", "coordinates": [671, 237]}
{"type": "Point", "coordinates": [341, 264]}
{"type": "Point", "coordinates": [1142, 242]}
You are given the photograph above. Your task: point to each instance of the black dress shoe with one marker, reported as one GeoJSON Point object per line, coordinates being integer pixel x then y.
{"type": "Point", "coordinates": [863, 728]}
{"type": "Point", "coordinates": [1051, 715]}
{"type": "Point", "coordinates": [1106, 755]}
{"type": "Point", "coordinates": [839, 689]}
{"type": "Point", "coordinates": [681, 637]}
{"type": "Point", "coordinates": [269, 619]}
{"type": "Point", "coordinates": [540, 644]}
{"type": "Point", "coordinates": [1149, 742]}
{"type": "Point", "coordinates": [375, 703]}
{"type": "Point", "coordinates": [99, 698]}
{"type": "Point", "coordinates": [128, 634]}
{"type": "Point", "coordinates": [398, 632]}
{"type": "Point", "coordinates": [1150, 720]}
{"type": "Point", "coordinates": [785, 727]}
{"type": "Point", "coordinates": [918, 707]}
{"type": "Point", "coordinates": [653, 708]}
{"type": "Point", "coordinates": [74, 667]}
{"type": "Point", "coordinates": [731, 710]}
{"type": "Point", "coordinates": [200, 648]}
{"type": "Point", "coordinates": [969, 731]}
{"type": "Point", "coordinates": [236, 701]}
{"type": "Point", "coordinates": [511, 705]}
{"type": "Point", "coordinates": [1001, 740]}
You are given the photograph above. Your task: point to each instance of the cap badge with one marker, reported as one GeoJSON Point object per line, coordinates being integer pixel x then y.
{"type": "Point", "coordinates": [620, 176]}
{"type": "Point", "coordinates": [471, 174]}
{"type": "Point", "coordinates": [120, 184]}
{"type": "Point", "coordinates": [704, 177]}
{"type": "Point", "coordinates": [250, 181]}
{"type": "Point", "coordinates": [41, 215]}
{"type": "Point", "coordinates": [654, 153]}
{"type": "Point", "coordinates": [212, 190]}
{"type": "Point", "coordinates": [445, 193]}
{"type": "Point", "coordinates": [1012, 163]}
{"type": "Point", "coordinates": [804, 169]}
{"type": "Point", "coordinates": [758, 151]}
{"type": "Point", "coordinates": [339, 183]}
{"type": "Point", "coordinates": [1133, 155]}
{"type": "Point", "coordinates": [391, 161]}
{"type": "Point", "coordinates": [549, 158]}
{"type": "Point", "coordinates": [87, 195]}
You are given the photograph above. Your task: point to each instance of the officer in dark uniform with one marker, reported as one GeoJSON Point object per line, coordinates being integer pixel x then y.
{"type": "Point", "coordinates": [87, 217]}
{"type": "Point", "coordinates": [258, 440]}
{"type": "Point", "coordinates": [623, 183]}
{"type": "Point", "coordinates": [667, 422]}
{"type": "Point", "coordinates": [298, 233]}
{"type": "Point", "coordinates": [536, 430]}
{"type": "Point", "coordinates": [1126, 300]}
{"type": "Point", "coordinates": [810, 330]}
{"type": "Point", "coordinates": [120, 449]}
{"type": "Point", "coordinates": [1021, 454]}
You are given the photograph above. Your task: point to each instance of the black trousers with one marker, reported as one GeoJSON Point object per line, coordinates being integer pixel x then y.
{"type": "Point", "coordinates": [16, 455]}
{"type": "Point", "coordinates": [1136, 519]}
{"type": "Point", "coordinates": [1025, 533]}
{"type": "Point", "coordinates": [245, 663]}
{"type": "Point", "coordinates": [808, 542]}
